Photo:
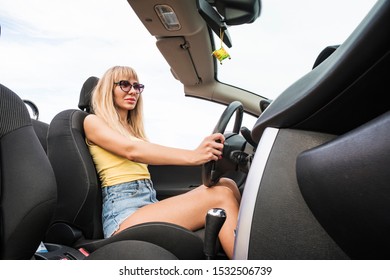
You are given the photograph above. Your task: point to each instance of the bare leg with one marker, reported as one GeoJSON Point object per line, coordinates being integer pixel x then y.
{"type": "Point", "coordinates": [189, 210]}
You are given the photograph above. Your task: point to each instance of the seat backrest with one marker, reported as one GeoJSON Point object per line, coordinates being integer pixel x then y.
{"type": "Point", "coordinates": [79, 196]}
{"type": "Point", "coordinates": [27, 184]}
{"type": "Point", "coordinates": [41, 129]}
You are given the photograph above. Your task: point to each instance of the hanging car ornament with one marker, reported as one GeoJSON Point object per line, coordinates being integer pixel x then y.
{"type": "Point", "coordinates": [221, 53]}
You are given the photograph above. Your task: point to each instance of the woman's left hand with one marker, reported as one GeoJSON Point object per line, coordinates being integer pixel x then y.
{"type": "Point", "coordinates": [209, 149]}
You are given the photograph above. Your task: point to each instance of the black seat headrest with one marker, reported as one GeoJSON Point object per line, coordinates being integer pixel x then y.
{"type": "Point", "coordinates": [13, 113]}
{"type": "Point", "coordinates": [86, 93]}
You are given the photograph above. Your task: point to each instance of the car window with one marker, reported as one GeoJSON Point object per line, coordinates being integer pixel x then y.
{"type": "Point", "coordinates": [284, 42]}
{"type": "Point", "coordinates": [186, 128]}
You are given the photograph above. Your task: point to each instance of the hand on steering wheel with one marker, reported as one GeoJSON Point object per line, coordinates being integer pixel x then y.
{"type": "Point", "coordinates": [210, 174]}
{"type": "Point", "coordinates": [210, 148]}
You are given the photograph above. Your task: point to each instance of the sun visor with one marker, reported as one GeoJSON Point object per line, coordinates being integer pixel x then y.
{"type": "Point", "coordinates": [176, 52]}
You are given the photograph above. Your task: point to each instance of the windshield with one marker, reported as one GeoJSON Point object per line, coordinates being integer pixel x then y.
{"type": "Point", "coordinates": [282, 44]}
{"type": "Point", "coordinates": [49, 48]}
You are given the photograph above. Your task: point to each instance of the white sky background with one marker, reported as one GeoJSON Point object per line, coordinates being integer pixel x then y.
{"type": "Point", "coordinates": [48, 48]}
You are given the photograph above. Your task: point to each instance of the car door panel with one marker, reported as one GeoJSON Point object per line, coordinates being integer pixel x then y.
{"type": "Point", "coordinates": [170, 180]}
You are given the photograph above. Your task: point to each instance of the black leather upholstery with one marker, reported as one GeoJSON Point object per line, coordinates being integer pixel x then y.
{"type": "Point", "coordinates": [28, 187]}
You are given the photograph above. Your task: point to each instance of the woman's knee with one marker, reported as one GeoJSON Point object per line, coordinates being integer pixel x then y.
{"type": "Point", "coordinates": [229, 183]}
{"type": "Point", "coordinates": [223, 194]}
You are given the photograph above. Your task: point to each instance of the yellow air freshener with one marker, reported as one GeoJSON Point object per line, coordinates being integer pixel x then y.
{"type": "Point", "coordinates": [221, 53]}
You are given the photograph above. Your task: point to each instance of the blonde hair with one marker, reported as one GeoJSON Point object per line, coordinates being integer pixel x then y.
{"type": "Point", "coordinates": [103, 103]}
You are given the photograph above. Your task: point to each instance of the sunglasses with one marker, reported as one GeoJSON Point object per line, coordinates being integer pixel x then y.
{"type": "Point", "coordinates": [126, 86]}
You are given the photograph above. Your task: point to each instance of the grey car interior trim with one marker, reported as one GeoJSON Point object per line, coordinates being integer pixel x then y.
{"type": "Point", "coordinates": [248, 200]}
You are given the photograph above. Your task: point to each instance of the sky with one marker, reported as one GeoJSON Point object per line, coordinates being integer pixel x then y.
{"type": "Point", "coordinates": [48, 48]}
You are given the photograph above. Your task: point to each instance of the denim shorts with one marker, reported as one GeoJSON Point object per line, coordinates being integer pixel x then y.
{"type": "Point", "coordinates": [122, 200]}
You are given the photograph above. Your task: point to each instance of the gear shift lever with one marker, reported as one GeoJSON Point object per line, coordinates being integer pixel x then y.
{"type": "Point", "coordinates": [214, 220]}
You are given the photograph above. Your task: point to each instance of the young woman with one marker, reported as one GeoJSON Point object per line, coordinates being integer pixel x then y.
{"type": "Point", "coordinates": [117, 142]}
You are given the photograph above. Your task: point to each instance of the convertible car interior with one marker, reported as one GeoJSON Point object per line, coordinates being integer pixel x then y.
{"type": "Point", "coordinates": [313, 170]}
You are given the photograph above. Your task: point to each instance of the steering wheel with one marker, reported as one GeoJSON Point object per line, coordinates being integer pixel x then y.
{"type": "Point", "coordinates": [211, 170]}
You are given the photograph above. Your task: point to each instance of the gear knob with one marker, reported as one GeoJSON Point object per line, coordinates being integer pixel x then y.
{"type": "Point", "coordinates": [215, 219]}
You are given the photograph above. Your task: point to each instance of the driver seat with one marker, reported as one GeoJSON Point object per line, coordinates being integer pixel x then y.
{"type": "Point", "coordinates": [77, 221]}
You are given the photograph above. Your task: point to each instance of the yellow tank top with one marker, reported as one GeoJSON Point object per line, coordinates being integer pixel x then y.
{"type": "Point", "coordinates": [114, 169]}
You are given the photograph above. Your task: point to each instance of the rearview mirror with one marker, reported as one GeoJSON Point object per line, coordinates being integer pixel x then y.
{"type": "Point", "coordinates": [237, 12]}
{"type": "Point", "coordinates": [218, 14]}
